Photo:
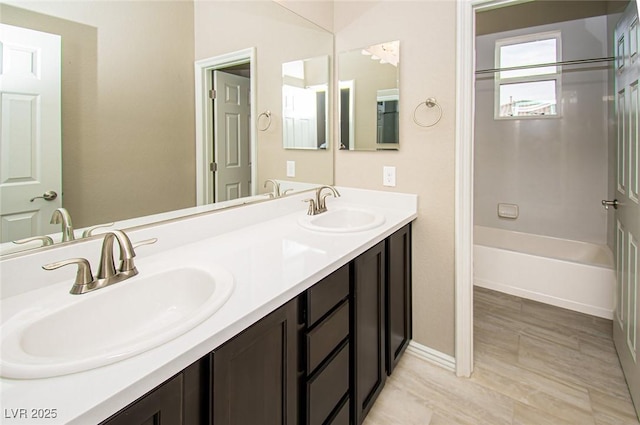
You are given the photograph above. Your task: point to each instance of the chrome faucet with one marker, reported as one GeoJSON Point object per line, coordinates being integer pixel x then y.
{"type": "Point", "coordinates": [276, 188]}
{"type": "Point", "coordinates": [319, 204]}
{"type": "Point", "coordinates": [107, 268]}
{"type": "Point", "coordinates": [107, 272]}
{"type": "Point", "coordinates": [62, 216]}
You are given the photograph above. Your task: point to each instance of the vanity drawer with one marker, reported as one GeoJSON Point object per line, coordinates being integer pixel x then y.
{"type": "Point", "coordinates": [327, 293]}
{"type": "Point", "coordinates": [326, 336]}
{"type": "Point", "coordinates": [328, 387]}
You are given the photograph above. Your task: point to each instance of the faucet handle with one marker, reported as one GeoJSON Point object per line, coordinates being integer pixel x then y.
{"type": "Point", "coordinates": [84, 277]}
{"type": "Point", "coordinates": [126, 261]}
{"type": "Point", "coordinates": [145, 242]}
{"type": "Point", "coordinates": [46, 240]}
{"type": "Point", "coordinates": [312, 206]}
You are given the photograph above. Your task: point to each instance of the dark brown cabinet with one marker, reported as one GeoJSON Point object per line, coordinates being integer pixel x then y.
{"type": "Point", "coordinates": [398, 295]}
{"type": "Point", "coordinates": [180, 400]}
{"type": "Point", "coordinates": [255, 374]}
{"type": "Point", "coordinates": [369, 372]}
{"type": "Point", "coordinates": [321, 359]}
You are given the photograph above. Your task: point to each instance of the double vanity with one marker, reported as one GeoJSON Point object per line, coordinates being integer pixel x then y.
{"type": "Point", "coordinates": [305, 314]}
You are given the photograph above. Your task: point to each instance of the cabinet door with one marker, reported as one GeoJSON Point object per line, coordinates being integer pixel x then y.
{"type": "Point", "coordinates": [369, 329]}
{"type": "Point", "coordinates": [255, 375]}
{"type": "Point", "coordinates": [398, 314]}
{"type": "Point", "coordinates": [162, 406]}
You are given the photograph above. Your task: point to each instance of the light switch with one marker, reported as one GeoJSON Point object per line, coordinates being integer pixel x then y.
{"type": "Point", "coordinates": [291, 168]}
{"type": "Point", "coordinates": [388, 176]}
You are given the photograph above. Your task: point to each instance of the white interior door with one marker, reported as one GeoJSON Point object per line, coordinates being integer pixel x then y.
{"type": "Point", "coordinates": [299, 118]}
{"type": "Point", "coordinates": [232, 156]}
{"type": "Point", "coordinates": [30, 139]}
{"type": "Point", "coordinates": [626, 320]}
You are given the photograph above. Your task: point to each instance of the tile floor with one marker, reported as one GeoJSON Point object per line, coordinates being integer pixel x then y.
{"type": "Point", "coordinates": [535, 364]}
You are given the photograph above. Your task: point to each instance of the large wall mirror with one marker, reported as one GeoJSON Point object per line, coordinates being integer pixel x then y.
{"type": "Point", "coordinates": [369, 87]}
{"type": "Point", "coordinates": [128, 115]}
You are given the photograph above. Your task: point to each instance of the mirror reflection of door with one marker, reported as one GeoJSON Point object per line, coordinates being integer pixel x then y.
{"type": "Point", "coordinates": [304, 103]}
{"type": "Point", "coordinates": [231, 164]}
{"type": "Point", "coordinates": [30, 141]}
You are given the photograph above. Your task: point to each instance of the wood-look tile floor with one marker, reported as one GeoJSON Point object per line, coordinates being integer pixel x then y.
{"type": "Point", "coordinates": [535, 364]}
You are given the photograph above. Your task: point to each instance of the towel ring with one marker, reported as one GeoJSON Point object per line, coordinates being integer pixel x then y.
{"type": "Point", "coordinates": [429, 103]}
{"type": "Point", "coordinates": [266, 114]}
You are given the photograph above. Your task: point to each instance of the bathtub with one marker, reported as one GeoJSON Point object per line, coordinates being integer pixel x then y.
{"type": "Point", "coordinates": [575, 275]}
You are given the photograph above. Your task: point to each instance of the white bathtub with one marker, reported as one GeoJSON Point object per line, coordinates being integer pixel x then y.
{"type": "Point", "coordinates": [575, 275]}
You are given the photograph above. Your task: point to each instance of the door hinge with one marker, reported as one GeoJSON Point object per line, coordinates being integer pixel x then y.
{"type": "Point", "coordinates": [213, 167]}
{"type": "Point", "coordinates": [212, 94]}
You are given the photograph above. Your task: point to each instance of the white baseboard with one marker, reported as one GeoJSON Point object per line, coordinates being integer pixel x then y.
{"type": "Point", "coordinates": [546, 298]}
{"type": "Point", "coordinates": [436, 357]}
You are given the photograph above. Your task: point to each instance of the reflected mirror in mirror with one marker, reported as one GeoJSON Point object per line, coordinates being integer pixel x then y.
{"type": "Point", "coordinates": [127, 96]}
{"type": "Point", "coordinates": [369, 84]}
{"type": "Point", "coordinates": [305, 104]}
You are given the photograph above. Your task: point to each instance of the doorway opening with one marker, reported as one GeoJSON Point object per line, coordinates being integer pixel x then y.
{"type": "Point", "coordinates": [226, 166]}
{"type": "Point", "coordinates": [467, 115]}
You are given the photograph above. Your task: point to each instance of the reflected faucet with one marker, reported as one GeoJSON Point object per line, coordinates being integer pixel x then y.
{"type": "Point", "coordinates": [46, 240]}
{"type": "Point", "coordinates": [62, 216]}
{"type": "Point", "coordinates": [276, 188]}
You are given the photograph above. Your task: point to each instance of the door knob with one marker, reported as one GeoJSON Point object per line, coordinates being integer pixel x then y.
{"type": "Point", "coordinates": [606, 204]}
{"type": "Point", "coordinates": [49, 195]}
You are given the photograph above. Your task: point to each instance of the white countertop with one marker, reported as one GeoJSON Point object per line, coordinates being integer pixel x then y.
{"type": "Point", "coordinates": [271, 257]}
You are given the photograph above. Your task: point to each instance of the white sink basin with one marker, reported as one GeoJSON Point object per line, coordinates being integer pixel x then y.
{"type": "Point", "coordinates": [110, 324]}
{"type": "Point", "coordinates": [342, 220]}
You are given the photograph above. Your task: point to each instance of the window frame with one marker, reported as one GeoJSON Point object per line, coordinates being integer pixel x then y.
{"type": "Point", "coordinates": [557, 76]}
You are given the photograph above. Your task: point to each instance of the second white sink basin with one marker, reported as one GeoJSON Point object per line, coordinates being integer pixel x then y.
{"type": "Point", "coordinates": [110, 324]}
{"type": "Point", "coordinates": [342, 220]}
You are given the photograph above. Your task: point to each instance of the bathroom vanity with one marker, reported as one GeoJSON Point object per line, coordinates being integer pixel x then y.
{"type": "Point", "coordinates": [315, 323]}
{"type": "Point", "coordinates": [306, 361]}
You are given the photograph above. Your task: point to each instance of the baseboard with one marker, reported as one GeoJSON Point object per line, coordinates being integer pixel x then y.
{"type": "Point", "coordinates": [545, 298]}
{"type": "Point", "coordinates": [435, 357]}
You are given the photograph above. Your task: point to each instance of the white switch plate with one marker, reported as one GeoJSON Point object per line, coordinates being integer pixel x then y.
{"type": "Point", "coordinates": [291, 168]}
{"type": "Point", "coordinates": [388, 176]}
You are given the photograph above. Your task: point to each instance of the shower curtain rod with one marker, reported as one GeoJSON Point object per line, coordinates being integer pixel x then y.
{"type": "Point", "coordinates": [542, 65]}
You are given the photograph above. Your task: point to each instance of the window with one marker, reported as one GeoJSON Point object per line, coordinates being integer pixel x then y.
{"type": "Point", "coordinates": [531, 90]}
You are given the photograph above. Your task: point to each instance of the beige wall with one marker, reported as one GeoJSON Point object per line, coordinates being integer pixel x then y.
{"type": "Point", "coordinates": [128, 109]}
{"type": "Point", "coordinates": [425, 161]}
{"type": "Point", "coordinates": [318, 11]}
{"type": "Point", "coordinates": [279, 36]}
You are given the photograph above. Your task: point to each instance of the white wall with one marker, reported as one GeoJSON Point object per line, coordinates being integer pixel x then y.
{"type": "Point", "coordinates": [555, 169]}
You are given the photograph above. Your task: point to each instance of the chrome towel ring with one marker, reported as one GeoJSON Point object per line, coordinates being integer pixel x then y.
{"type": "Point", "coordinates": [267, 115]}
{"type": "Point", "coordinates": [429, 103]}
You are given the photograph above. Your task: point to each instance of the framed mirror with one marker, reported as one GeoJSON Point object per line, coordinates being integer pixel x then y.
{"type": "Point", "coordinates": [369, 88]}
{"type": "Point", "coordinates": [305, 104]}
{"type": "Point", "coordinates": [127, 121]}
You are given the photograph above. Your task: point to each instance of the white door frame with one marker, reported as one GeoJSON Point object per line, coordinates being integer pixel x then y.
{"type": "Point", "coordinates": [204, 118]}
{"type": "Point", "coordinates": [465, 111]}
